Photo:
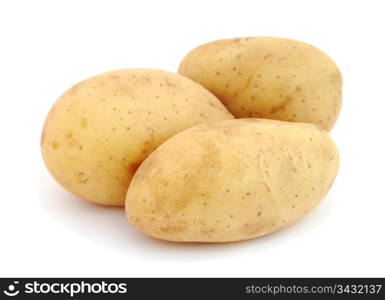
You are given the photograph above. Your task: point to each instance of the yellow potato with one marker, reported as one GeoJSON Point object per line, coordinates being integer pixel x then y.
{"type": "Point", "coordinates": [100, 130]}
{"type": "Point", "coordinates": [231, 180]}
{"type": "Point", "coordinates": [270, 78]}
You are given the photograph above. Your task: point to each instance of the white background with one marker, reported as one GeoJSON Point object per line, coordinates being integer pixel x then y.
{"type": "Point", "coordinates": [47, 46]}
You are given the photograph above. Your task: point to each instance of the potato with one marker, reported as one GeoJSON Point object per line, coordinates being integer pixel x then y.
{"type": "Point", "coordinates": [97, 133]}
{"type": "Point", "coordinates": [270, 78]}
{"type": "Point", "coordinates": [231, 180]}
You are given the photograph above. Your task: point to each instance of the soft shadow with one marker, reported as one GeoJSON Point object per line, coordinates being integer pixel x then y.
{"type": "Point", "coordinates": [108, 227]}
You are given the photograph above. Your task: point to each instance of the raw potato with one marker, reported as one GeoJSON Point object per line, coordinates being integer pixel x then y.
{"type": "Point", "coordinates": [270, 78]}
{"type": "Point", "coordinates": [100, 130]}
{"type": "Point", "coordinates": [231, 180]}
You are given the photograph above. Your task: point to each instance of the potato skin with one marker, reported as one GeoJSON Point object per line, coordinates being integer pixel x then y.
{"type": "Point", "coordinates": [231, 180]}
{"type": "Point", "coordinates": [268, 77]}
{"type": "Point", "coordinates": [98, 133]}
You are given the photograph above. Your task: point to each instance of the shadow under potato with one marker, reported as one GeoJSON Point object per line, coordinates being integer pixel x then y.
{"type": "Point", "coordinates": [108, 227]}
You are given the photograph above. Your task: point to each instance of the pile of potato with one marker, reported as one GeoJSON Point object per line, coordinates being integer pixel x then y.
{"type": "Point", "coordinates": [233, 147]}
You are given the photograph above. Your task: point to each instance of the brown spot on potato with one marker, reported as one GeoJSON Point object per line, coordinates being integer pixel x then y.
{"type": "Point", "coordinates": [81, 178]}
{"type": "Point", "coordinates": [281, 106]}
{"type": "Point", "coordinates": [55, 145]}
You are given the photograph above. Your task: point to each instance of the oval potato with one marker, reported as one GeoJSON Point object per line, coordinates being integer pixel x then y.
{"type": "Point", "coordinates": [267, 77]}
{"type": "Point", "coordinates": [100, 130]}
{"type": "Point", "coordinates": [231, 180]}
